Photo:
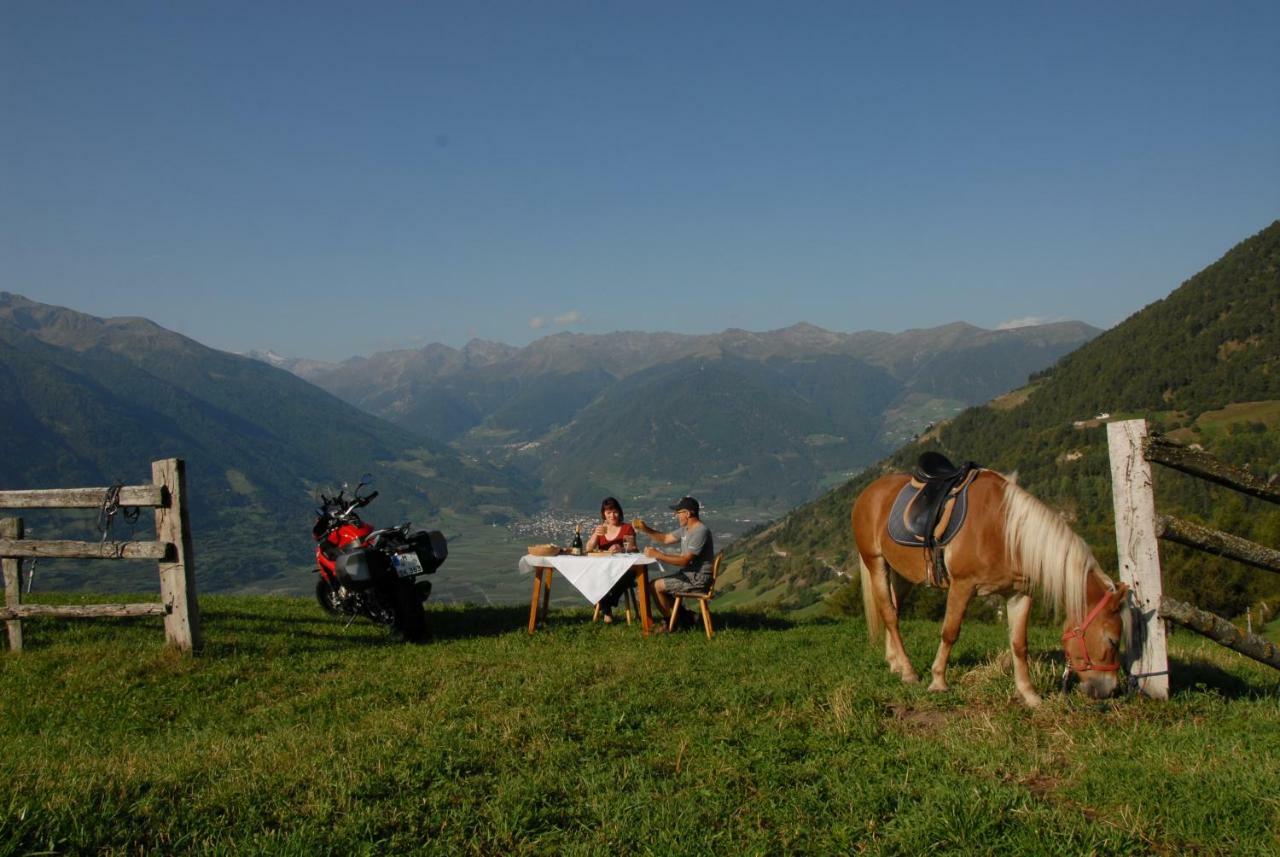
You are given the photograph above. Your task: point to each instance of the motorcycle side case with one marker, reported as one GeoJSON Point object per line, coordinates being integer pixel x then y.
{"type": "Point", "coordinates": [431, 547]}
{"type": "Point", "coordinates": [360, 568]}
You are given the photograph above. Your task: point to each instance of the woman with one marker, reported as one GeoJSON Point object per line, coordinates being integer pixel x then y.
{"type": "Point", "coordinates": [612, 535]}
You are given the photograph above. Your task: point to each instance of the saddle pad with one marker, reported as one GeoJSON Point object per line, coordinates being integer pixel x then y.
{"type": "Point", "coordinates": [909, 519]}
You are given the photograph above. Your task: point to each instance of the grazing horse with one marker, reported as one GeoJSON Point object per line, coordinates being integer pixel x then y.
{"type": "Point", "coordinates": [1010, 544]}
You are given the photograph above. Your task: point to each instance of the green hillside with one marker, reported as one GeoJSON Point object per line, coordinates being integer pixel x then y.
{"type": "Point", "coordinates": [759, 421]}
{"type": "Point", "coordinates": [295, 735]}
{"type": "Point", "coordinates": [1187, 363]}
{"type": "Point", "coordinates": [89, 401]}
{"type": "Point", "coordinates": [726, 430]}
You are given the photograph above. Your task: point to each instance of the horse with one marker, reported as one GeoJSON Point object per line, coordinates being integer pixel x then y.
{"type": "Point", "coordinates": [1010, 544]}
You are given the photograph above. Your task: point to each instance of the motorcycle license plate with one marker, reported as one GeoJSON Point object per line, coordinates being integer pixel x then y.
{"type": "Point", "coordinates": [407, 564]}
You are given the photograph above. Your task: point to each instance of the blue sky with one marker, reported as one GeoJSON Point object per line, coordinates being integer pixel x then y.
{"type": "Point", "coordinates": [326, 179]}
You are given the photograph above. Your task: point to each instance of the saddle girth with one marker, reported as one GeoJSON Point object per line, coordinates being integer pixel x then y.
{"type": "Point", "coordinates": [930, 509]}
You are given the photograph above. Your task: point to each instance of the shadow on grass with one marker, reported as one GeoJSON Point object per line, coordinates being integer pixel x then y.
{"type": "Point", "coordinates": [1189, 676]}
{"type": "Point", "coordinates": [233, 614]}
{"type": "Point", "coordinates": [325, 632]}
{"type": "Point", "coordinates": [473, 621]}
{"type": "Point", "coordinates": [1196, 676]}
{"type": "Point", "coordinates": [748, 620]}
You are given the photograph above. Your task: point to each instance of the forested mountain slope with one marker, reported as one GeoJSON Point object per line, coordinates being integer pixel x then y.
{"type": "Point", "coordinates": [737, 417]}
{"type": "Point", "coordinates": [1202, 364]}
{"type": "Point", "coordinates": [89, 401]}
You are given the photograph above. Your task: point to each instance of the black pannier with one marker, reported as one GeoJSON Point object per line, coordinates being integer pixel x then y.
{"type": "Point", "coordinates": [431, 547]}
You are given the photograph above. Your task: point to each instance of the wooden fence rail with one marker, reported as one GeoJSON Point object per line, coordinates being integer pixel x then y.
{"type": "Point", "coordinates": [1138, 528]}
{"type": "Point", "coordinates": [83, 611]}
{"type": "Point", "coordinates": [1196, 462]}
{"type": "Point", "coordinates": [1217, 542]}
{"type": "Point", "coordinates": [86, 550]}
{"type": "Point", "coordinates": [81, 498]}
{"type": "Point", "coordinates": [171, 549]}
{"type": "Point", "coordinates": [1220, 630]}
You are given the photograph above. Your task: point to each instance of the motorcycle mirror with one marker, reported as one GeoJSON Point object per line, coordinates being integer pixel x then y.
{"type": "Point", "coordinates": [366, 479]}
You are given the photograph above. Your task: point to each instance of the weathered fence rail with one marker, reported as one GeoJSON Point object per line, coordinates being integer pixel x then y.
{"type": "Point", "coordinates": [171, 549]}
{"type": "Point", "coordinates": [1220, 630]}
{"type": "Point", "coordinates": [1138, 529]}
{"type": "Point", "coordinates": [1199, 463]}
{"type": "Point", "coordinates": [1213, 541]}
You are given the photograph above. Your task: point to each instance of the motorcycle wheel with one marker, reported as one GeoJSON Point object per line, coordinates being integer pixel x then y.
{"type": "Point", "coordinates": [411, 619]}
{"type": "Point", "coordinates": [330, 600]}
{"type": "Point", "coordinates": [378, 607]}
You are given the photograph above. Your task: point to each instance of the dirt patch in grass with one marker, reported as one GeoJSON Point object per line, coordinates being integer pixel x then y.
{"type": "Point", "coordinates": [913, 719]}
{"type": "Point", "coordinates": [1041, 785]}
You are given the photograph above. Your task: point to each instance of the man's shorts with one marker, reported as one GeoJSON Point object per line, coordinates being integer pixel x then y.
{"type": "Point", "coordinates": [679, 584]}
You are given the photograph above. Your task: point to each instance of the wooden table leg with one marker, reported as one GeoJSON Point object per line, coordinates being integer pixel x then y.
{"type": "Point", "coordinates": [642, 583]}
{"type": "Point", "coordinates": [546, 593]}
{"type": "Point", "coordinates": [534, 600]}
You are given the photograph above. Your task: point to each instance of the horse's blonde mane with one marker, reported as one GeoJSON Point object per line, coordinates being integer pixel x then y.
{"type": "Point", "coordinates": [1047, 552]}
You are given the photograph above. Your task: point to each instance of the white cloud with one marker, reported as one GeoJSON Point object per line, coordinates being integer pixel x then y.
{"type": "Point", "coordinates": [538, 322]}
{"type": "Point", "coordinates": [1029, 321]}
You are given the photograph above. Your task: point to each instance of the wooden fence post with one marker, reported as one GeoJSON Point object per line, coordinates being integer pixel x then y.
{"type": "Point", "coordinates": [1146, 654]}
{"type": "Point", "coordinates": [177, 577]}
{"type": "Point", "coordinates": [11, 528]}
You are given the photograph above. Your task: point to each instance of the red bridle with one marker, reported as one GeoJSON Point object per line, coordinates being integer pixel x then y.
{"type": "Point", "coordinates": [1082, 662]}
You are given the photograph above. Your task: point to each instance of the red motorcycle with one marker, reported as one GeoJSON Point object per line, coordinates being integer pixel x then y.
{"type": "Point", "coordinates": [378, 574]}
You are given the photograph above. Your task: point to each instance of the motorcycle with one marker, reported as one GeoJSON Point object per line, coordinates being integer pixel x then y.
{"type": "Point", "coordinates": [376, 573]}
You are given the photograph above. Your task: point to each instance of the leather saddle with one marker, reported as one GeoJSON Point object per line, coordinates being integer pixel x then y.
{"type": "Point", "coordinates": [930, 509]}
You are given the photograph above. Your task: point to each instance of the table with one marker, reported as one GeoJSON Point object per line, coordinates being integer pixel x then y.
{"type": "Point", "coordinates": [593, 576]}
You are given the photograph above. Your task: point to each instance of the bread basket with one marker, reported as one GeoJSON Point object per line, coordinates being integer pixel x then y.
{"type": "Point", "coordinates": [544, 550]}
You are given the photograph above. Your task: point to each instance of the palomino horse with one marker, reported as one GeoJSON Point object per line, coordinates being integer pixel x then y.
{"type": "Point", "coordinates": [1011, 544]}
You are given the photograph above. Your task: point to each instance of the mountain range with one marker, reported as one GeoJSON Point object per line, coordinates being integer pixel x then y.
{"type": "Point", "coordinates": [89, 401]}
{"type": "Point", "coordinates": [484, 434]}
{"type": "Point", "coordinates": [1202, 365]}
{"type": "Point", "coordinates": [761, 419]}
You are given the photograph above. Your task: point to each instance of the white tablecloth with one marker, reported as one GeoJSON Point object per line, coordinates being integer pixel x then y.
{"type": "Point", "coordinates": [593, 576]}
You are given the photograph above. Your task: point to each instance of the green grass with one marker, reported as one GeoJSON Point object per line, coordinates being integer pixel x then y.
{"type": "Point", "coordinates": [293, 734]}
{"type": "Point", "coordinates": [1262, 412]}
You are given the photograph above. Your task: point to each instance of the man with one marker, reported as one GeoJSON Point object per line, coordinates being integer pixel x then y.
{"type": "Point", "coordinates": [693, 562]}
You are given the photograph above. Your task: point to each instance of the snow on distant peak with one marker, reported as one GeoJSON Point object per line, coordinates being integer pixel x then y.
{"type": "Point", "coordinates": [1028, 321]}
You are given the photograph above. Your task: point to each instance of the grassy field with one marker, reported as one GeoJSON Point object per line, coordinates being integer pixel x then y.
{"type": "Point", "coordinates": [293, 734]}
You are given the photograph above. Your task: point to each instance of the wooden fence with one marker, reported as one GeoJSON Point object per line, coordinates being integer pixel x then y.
{"type": "Point", "coordinates": [167, 494]}
{"type": "Point", "coordinates": [1138, 529]}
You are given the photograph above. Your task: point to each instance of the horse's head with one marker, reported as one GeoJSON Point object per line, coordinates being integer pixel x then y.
{"type": "Point", "coordinates": [1093, 646]}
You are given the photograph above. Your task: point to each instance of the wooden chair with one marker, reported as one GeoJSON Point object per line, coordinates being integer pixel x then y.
{"type": "Point", "coordinates": [703, 598]}
{"type": "Point", "coordinates": [628, 595]}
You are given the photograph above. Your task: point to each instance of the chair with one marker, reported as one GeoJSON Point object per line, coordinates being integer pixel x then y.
{"type": "Point", "coordinates": [629, 595]}
{"type": "Point", "coordinates": [703, 598]}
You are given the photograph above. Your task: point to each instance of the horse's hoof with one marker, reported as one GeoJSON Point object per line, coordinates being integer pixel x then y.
{"type": "Point", "coordinates": [910, 678]}
{"type": "Point", "coordinates": [1032, 700]}
{"type": "Point", "coordinates": [939, 687]}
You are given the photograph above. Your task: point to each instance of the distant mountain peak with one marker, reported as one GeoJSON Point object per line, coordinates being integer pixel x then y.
{"type": "Point", "coordinates": [68, 328]}
{"type": "Point", "coordinates": [805, 328]}
{"type": "Point", "coordinates": [481, 352]}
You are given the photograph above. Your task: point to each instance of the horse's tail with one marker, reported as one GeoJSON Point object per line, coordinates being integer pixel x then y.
{"type": "Point", "coordinates": [875, 624]}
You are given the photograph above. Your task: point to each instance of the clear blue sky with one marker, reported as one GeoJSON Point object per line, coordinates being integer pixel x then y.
{"type": "Point", "coordinates": [330, 179]}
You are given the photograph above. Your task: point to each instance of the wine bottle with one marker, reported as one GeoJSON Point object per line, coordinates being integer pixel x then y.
{"type": "Point", "coordinates": [576, 546]}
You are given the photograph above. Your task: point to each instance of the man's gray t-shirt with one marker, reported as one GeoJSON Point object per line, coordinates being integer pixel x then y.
{"type": "Point", "coordinates": [697, 541]}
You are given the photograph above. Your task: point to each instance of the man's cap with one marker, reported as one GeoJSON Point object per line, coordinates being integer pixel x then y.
{"type": "Point", "coordinates": [688, 504]}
